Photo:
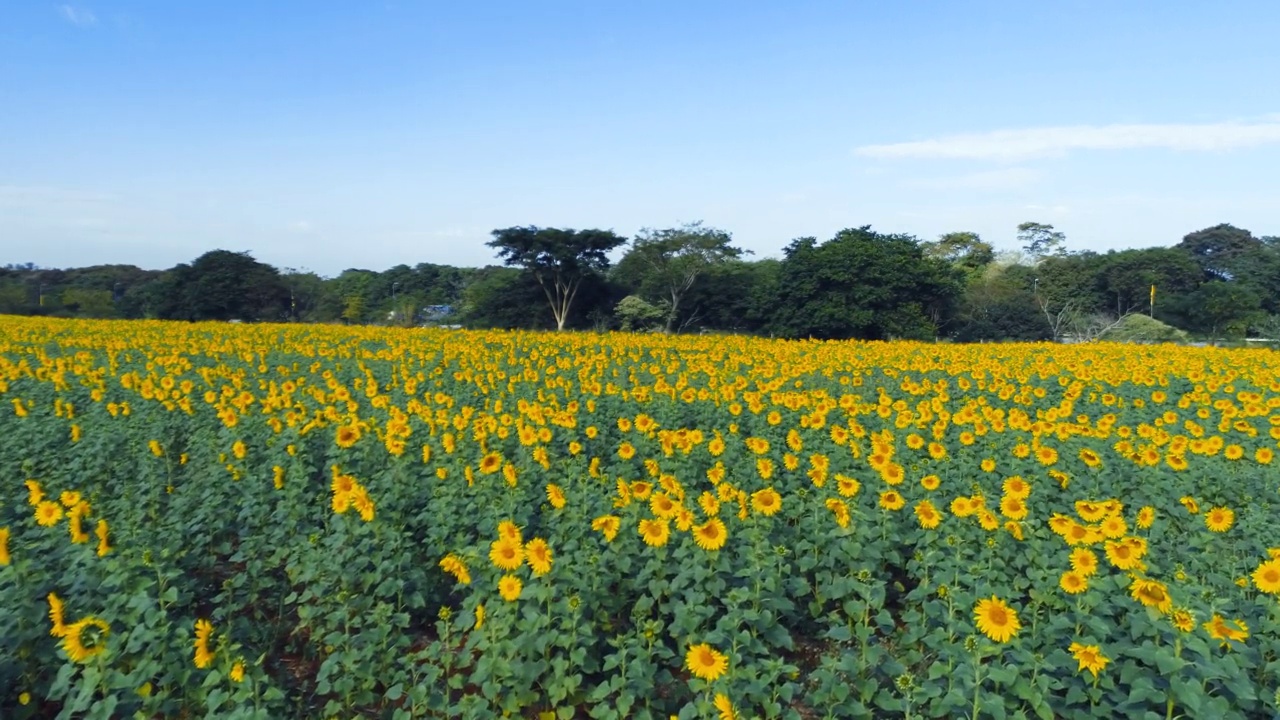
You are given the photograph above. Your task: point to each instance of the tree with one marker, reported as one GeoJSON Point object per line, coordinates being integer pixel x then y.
{"type": "Point", "coordinates": [502, 297]}
{"type": "Point", "coordinates": [1041, 241]}
{"type": "Point", "coordinates": [670, 261]}
{"type": "Point", "coordinates": [997, 305]}
{"type": "Point", "coordinates": [1224, 309]}
{"type": "Point", "coordinates": [559, 259]}
{"type": "Point", "coordinates": [636, 313]}
{"type": "Point", "coordinates": [860, 284]}
{"type": "Point", "coordinates": [965, 250]}
{"type": "Point", "coordinates": [1219, 248]}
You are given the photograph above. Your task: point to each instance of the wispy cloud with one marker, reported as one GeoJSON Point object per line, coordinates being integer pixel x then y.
{"type": "Point", "coordinates": [1002, 179]}
{"type": "Point", "coordinates": [1029, 143]}
{"type": "Point", "coordinates": [77, 16]}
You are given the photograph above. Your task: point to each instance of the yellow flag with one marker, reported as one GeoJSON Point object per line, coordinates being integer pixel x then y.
{"type": "Point", "coordinates": [1153, 294]}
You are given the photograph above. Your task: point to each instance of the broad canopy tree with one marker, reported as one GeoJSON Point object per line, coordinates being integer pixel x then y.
{"type": "Point", "coordinates": [667, 263]}
{"type": "Point", "coordinates": [559, 259]}
{"type": "Point", "coordinates": [862, 284]}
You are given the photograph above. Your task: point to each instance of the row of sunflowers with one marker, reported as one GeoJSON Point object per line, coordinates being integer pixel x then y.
{"type": "Point", "coordinates": [334, 522]}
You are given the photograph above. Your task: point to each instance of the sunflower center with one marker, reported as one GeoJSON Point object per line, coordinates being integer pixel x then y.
{"type": "Point", "coordinates": [998, 616]}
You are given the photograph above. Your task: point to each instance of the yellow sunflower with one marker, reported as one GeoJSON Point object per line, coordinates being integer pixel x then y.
{"type": "Point", "coordinates": [85, 639]}
{"type": "Point", "coordinates": [506, 554]}
{"type": "Point", "coordinates": [1090, 657]}
{"type": "Point", "coordinates": [996, 620]}
{"type": "Point", "coordinates": [607, 525]}
{"type": "Point", "coordinates": [1219, 519]}
{"type": "Point", "coordinates": [654, 532]}
{"type": "Point", "coordinates": [538, 554]}
{"type": "Point", "coordinates": [509, 587]}
{"type": "Point", "coordinates": [891, 500]}
{"type": "Point", "coordinates": [704, 662]}
{"type": "Point", "coordinates": [766, 502]}
{"type": "Point", "coordinates": [1073, 582]}
{"type": "Point", "coordinates": [1267, 577]}
{"type": "Point", "coordinates": [711, 535]}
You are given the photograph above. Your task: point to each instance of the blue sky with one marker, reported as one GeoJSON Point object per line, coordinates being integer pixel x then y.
{"type": "Point", "coordinates": [328, 135]}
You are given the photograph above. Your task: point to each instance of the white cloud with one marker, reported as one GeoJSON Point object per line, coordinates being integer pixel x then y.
{"type": "Point", "coordinates": [1003, 179]}
{"type": "Point", "coordinates": [77, 16]}
{"type": "Point", "coordinates": [1015, 145]}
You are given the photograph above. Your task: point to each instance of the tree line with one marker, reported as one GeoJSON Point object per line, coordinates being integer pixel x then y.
{"type": "Point", "coordinates": [1217, 283]}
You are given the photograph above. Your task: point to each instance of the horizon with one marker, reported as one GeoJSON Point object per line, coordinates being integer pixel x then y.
{"type": "Point", "coordinates": [328, 138]}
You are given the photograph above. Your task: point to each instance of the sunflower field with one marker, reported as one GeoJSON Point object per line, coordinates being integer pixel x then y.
{"type": "Point", "coordinates": [266, 521]}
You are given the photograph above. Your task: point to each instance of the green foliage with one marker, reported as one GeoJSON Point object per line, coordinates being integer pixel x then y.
{"type": "Point", "coordinates": [558, 259]}
{"type": "Point", "coordinates": [1143, 329]}
{"type": "Point", "coordinates": [635, 314]}
{"type": "Point", "coordinates": [861, 284]}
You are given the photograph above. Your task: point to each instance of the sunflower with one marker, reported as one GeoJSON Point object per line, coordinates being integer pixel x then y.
{"type": "Point", "coordinates": [347, 436]}
{"type": "Point", "coordinates": [1046, 455]}
{"type": "Point", "coordinates": [709, 504]}
{"type": "Point", "coordinates": [538, 555]}
{"type": "Point", "coordinates": [1114, 527]}
{"type": "Point", "coordinates": [1190, 504]}
{"type": "Point", "coordinates": [1090, 657]}
{"type": "Point", "coordinates": [704, 662]}
{"type": "Point", "coordinates": [927, 515]}
{"type": "Point", "coordinates": [1090, 458]}
{"type": "Point", "coordinates": [555, 496]}
{"type": "Point", "coordinates": [4, 546]}
{"type": "Point", "coordinates": [1123, 555]}
{"type": "Point", "coordinates": [490, 463]}
{"type": "Point", "coordinates": [1073, 582]}
{"type": "Point", "coordinates": [101, 531]}
{"type": "Point", "coordinates": [1183, 620]}
{"type": "Point", "coordinates": [1013, 507]}
{"type": "Point", "coordinates": [654, 532]}
{"type": "Point", "coordinates": [996, 620]}
{"type": "Point", "coordinates": [362, 503]}
{"type": "Point", "coordinates": [626, 451]}
{"type": "Point", "coordinates": [85, 639]}
{"type": "Point", "coordinates": [453, 565]}
{"type": "Point", "coordinates": [891, 500]}
{"type": "Point", "coordinates": [1090, 512]}
{"type": "Point", "coordinates": [1151, 593]}
{"type": "Point", "coordinates": [1218, 629]}
{"type": "Point", "coordinates": [930, 482]}
{"type": "Point", "coordinates": [1015, 486]}
{"type": "Point", "coordinates": [56, 616]}
{"type": "Point", "coordinates": [640, 489]}
{"type": "Point", "coordinates": [840, 510]}
{"type": "Point", "coordinates": [506, 553]}
{"type": "Point", "coordinates": [48, 513]}
{"type": "Point", "coordinates": [70, 498]}
{"type": "Point", "coordinates": [236, 674]}
{"type": "Point", "coordinates": [509, 586]}
{"type": "Point", "coordinates": [724, 707]}
{"type": "Point", "coordinates": [1267, 577]}
{"type": "Point", "coordinates": [1083, 561]}
{"type": "Point", "coordinates": [1219, 519]}
{"type": "Point", "coordinates": [607, 525]}
{"type": "Point", "coordinates": [204, 656]}
{"type": "Point", "coordinates": [1263, 456]}
{"type": "Point", "coordinates": [663, 506]}
{"type": "Point", "coordinates": [711, 535]}
{"type": "Point", "coordinates": [1146, 517]}
{"type": "Point", "coordinates": [767, 502]}
{"type": "Point", "coordinates": [479, 616]}
{"type": "Point", "coordinates": [847, 486]}
{"type": "Point", "coordinates": [988, 465]}
{"type": "Point", "coordinates": [508, 530]}
{"type": "Point", "coordinates": [1061, 524]}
